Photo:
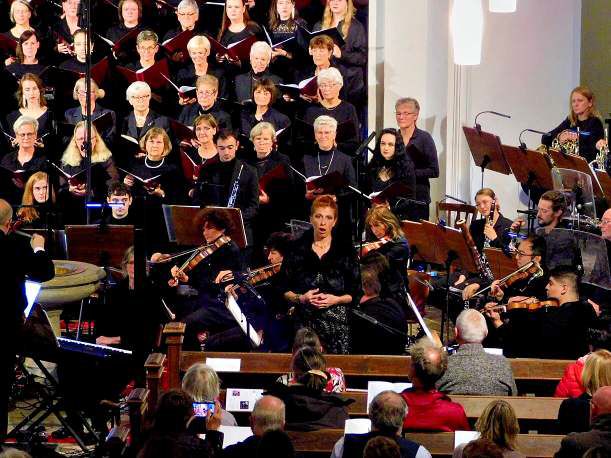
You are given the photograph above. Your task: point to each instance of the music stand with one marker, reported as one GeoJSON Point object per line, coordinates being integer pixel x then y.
{"type": "Point", "coordinates": [486, 151]}
{"type": "Point", "coordinates": [605, 183]}
{"type": "Point", "coordinates": [421, 245]}
{"type": "Point", "coordinates": [532, 169]}
{"type": "Point", "coordinates": [500, 263]}
{"type": "Point", "coordinates": [180, 219]}
{"type": "Point", "coordinates": [102, 246]}
{"type": "Point", "coordinates": [574, 162]}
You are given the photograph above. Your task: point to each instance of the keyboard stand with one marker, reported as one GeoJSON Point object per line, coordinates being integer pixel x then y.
{"type": "Point", "coordinates": [51, 403]}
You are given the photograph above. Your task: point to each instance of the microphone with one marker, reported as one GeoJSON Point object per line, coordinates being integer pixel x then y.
{"type": "Point", "coordinates": [479, 127]}
{"type": "Point", "coordinates": [522, 144]}
{"type": "Point", "coordinates": [448, 196]}
{"type": "Point", "coordinates": [364, 145]}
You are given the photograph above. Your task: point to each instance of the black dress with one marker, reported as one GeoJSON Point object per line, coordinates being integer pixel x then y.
{"type": "Point", "coordinates": [335, 273]}
{"type": "Point", "coordinates": [591, 131]}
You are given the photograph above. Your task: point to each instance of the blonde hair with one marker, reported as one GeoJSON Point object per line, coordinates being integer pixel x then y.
{"type": "Point", "coordinates": [498, 423]}
{"type": "Point", "coordinates": [81, 85]}
{"type": "Point", "coordinates": [198, 41]}
{"type": "Point", "coordinates": [14, 5]}
{"type": "Point", "coordinates": [202, 383]}
{"type": "Point", "coordinates": [72, 154]}
{"type": "Point", "coordinates": [327, 18]}
{"type": "Point", "coordinates": [588, 94]}
{"type": "Point", "coordinates": [28, 213]}
{"type": "Point", "coordinates": [157, 132]}
{"type": "Point", "coordinates": [259, 128]}
{"type": "Point", "coordinates": [382, 215]}
{"type": "Point", "coordinates": [597, 371]}
{"type": "Point", "coordinates": [129, 254]}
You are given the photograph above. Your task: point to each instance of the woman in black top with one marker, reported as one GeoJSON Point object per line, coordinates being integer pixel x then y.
{"type": "Point", "coordinates": [264, 94]}
{"type": "Point", "coordinates": [322, 277]}
{"type": "Point", "coordinates": [141, 118]}
{"type": "Point", "coordinates": [583, 117]}
{"type": "Point", "coordinates": [484, 233]}
{"type": "Point", "coordinates": [130, 15]}
{"type": "Point", "coordinates": [199, 52]}
{"type": "Point", "coordinates": [26, 60]}
{"type": "Point", "coordinates": [35, 202]}
{"type": "Point", "coordinates": [63, 30]}
{"type": "Point", "coordinates": [283, 25]}
{"type": "Point", "coordinates": [236, 24]}
{"type": "Point", "coordinates": [389, 165]}
{"type": "Point", "coordinates": [20, 14]}
{"type": "Point", "coordinates": [32, 103]}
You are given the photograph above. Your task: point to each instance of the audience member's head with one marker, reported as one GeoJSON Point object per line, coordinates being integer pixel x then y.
{"type": "Point", "coordinates": [386, 412]}
{"type": "Point", "coordinates": [202, 383]}
{"type": "Point", "coordinates": [381, 447]}
{"type": "Point", "coordinates": [599, 337]}
{"type": "Point", "coordinates": [174, 409]}
{"type": "Point", "coordinates": [309, 368]}
{"type": "Point", "coordinates": [6, 214]}
{"type": "Point", "coordinates": [471, 327]}
{"type": "Point", "coordinates": [268, 414]}
{"type": "Point", "coordinates": [482, 448]}
{"type": "Point", "coordinates": [597, 371]}
{"type": "Point", "coordinates": [601, 402]}
{"type": "Point", "coordinates": [13, 452]}
{"type": "Point", "coordinates": [498, 423]}
{"type": "Point", "coordinates": [306, 337]}
{"type": "Point", "coordinates": [428, 364]}
{"type": "Point", "coordinates": [277, 444]}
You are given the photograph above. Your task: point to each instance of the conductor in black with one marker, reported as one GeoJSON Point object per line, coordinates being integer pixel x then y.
{"type": "Point", "coordinates": [18, 259]}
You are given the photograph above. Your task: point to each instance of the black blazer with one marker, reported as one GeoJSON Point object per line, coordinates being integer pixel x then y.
{"type": "Point", "coordinates": [152, 120]}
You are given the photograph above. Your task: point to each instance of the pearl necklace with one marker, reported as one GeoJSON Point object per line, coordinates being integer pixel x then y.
{"type": "Point", "coordinates": [153, 166]}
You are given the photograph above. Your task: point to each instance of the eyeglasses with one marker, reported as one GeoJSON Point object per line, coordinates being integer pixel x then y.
{"type": "Point", "coordinates": [404, 113]}
{"type": "Point", "coordinates": [147, 48]}
{"type": "Point", "coordinates": [604, 222]}
{"type": "Point", "coordinates": [186, 14]}
{"type": "Point", "coordinates": [523, 254]}
{"type": "Point", "coordinates": [206, 93]}
{"type": "Point", "coordinates": [328, 85]}
{"type": "Point", "coordinates": [141, 98]}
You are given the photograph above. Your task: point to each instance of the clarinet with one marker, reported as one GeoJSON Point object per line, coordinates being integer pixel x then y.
{"type": "Point", "coordinates": [234, 190]}
{"type": "Point", "coordinates": [489, 222]}
{"type": "Point", "coordinates": [480, 259]}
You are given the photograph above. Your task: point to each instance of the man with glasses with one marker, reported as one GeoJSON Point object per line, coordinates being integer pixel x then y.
{"type": "Point", "coordinates": [420, 147]}
{"type": "Point", "coordinates": [207, 88]}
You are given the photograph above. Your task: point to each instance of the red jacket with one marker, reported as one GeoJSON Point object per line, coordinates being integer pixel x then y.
{"type": "Point", "coordinates": [433, 411]}
{"type": "Point", "coordinates": [570, 384]}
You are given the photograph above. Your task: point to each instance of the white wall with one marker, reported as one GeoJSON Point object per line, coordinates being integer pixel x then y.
{"type": "Point", "coordinates": [530, 62]}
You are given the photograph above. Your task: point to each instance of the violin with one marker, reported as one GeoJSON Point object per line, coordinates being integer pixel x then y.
{"type": "Point", "coordinates": [198, 256]}
{"type": "Point", "coordinates": [532, 269]}
{"type": "Point", "coordinates": [527, 304]}
{"type": "Point", "coordinates": [258, 275]}
{"type": "Point", "coordinates": [372, 246]}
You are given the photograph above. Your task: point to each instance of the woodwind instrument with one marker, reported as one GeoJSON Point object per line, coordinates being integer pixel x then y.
{"type": "Point", "coordinates": [480, 259]}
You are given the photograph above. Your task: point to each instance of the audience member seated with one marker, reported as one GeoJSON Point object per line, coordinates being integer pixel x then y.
{"type": "Point", "coordinates": [170, 436]}
{"type": "Point", "coordinates": [498, 424]}
{"type": "Point", "coordinates": [427, 408]}
{"type": "Point", "coordinates": [277, 444]}
{"type": "Point", "coordinates": [574, 413]}
{"type": "Point", "coordinates": [570, 385]}
{"type": "Point", "coordinates": [386, 412]}
{"type": "Point", "coordinates": [471, 370]}
{"type": "Point", "coordinates": [308, 406]}
{"type": "Point", "coordinates": [305, 337]}
{"type": "Point", "coordinates": [267, 415]}
{"type": "Point", "coordinates": [381, 447]}
{"type": "Point", "coordinates": [202, 383]}
{"type": "Point", "coordinates": [599, 434]}
{"type": "Point", "coordinates": [482, 448]}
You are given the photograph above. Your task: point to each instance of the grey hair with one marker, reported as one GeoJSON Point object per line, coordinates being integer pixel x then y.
{"type": "Point", "coordinates": [387, 412]}
{"type": "Point", "coordinates": [407, 100]}
{"type": "Point", "coordinates": [136, 86]}
{"type": "Point", "coordinates": [325, 120]}
{"type": "Point", "coordinates": [202, 383]}
{"type": "Point", "coordinates": [260, 127]}
{"type": "Point", "coordinates": [471, 326]}
{"type": "Point", "coordinates": [267, 419]}
{"type": "Point", "coordinates": [261, 46]}
{"type": "Point", "coordinates": [428, 361]}
{"type": "Point", "coordinates": [25, 121]}
{"type": "Point", "coordinates": [198, 41]}
{"type": "Point", "coordinates": [330, 74]}
{"type": "Point", "coordinates": [186, 4]}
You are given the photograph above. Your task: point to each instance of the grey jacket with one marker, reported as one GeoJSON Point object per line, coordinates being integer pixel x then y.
{"type": "Point", "coordinates": [473, 371]}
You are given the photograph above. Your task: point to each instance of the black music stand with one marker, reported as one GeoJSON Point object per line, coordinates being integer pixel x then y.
{"type": "Point", "coordinates": [486, 151]}
{"type": "Point", "coordinates": [532, 169]}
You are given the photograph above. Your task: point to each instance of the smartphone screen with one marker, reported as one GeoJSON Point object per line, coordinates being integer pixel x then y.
{"type": "Point", "coordinates": [201, 408]}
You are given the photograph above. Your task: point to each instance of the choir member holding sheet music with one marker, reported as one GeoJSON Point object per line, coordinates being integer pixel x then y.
{"type": "Point", "coordinates": [72, 171]}
{"type": "Point", "coordinates": [19, 165]}
{"type": "Point", "coordinates": [187, 14]}
{"type": "Point", "coordinates": [207, 88]}
{"type": "Point", "coordinates": [20, 13]}
{"type": "Point", "coordinates": [199, 52]}
{"type": "Point", "coordinates": [141, 118]}
{"type": "Point", "coordinates": [130, 15]}
{"type": "Point", "coordinates": [264, 94]}
{"type": "Point", "coordinates": [201, 152]}
{"type": "Point", "coordinates": [284, 21]}
{"type": "Point", "coordinates": [74, 115]}
{"type": "Point", "coordinates": [236, 25]}
{"type": "Point", "coordinates": [322, 275]}
{"type": "Point", "coordinates": [64, 29]}
{"type": "Point", "coordinates": [260, 58]}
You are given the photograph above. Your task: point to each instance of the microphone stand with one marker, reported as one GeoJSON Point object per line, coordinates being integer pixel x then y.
{"type": "Point", "coordinates": [85, 23]}
{"type": "Point", "coordinates": [361, 154]}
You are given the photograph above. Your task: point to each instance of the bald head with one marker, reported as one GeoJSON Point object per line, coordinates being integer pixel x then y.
{"type": "Point", "coordinates": [601, 402]}
{"type": "Point", "coordinates": [428, 363]}
{"type": "Point", "coordinates": [267, 415]}
{"type": "Point", "coordinates": [6, 214]}
{"type": "Point", "coordinates": [605, 226]}
{"type": "Point", "coordinates": [471, 327]}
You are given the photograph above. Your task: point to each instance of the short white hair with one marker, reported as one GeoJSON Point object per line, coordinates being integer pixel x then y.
{"type": "Point", "coordinates": [188, 4]}
{"type": "Point", "coordinates": [198, 41]}
{"type": "Point", "coordinates": [261, 46]}
{"type": "Point", "coordinates": [325, 120]}
{"type": "Point", "coordinates": [330, 74]}
{"type": "Point", "coordinates": [471, 326]}
{"type": "Point", "coordinates": [136, 87]}
{"type": "Point", "coordinates": [25, 121]}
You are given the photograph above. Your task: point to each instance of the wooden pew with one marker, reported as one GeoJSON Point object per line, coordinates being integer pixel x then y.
{"type": "Point", "coordinates": [117, 440]}
{"type": "Point", "coordinates": [439, 444]}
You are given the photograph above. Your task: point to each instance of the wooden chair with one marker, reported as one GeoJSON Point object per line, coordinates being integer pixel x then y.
{"type": "Point", "coordinates": [454, 212]}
